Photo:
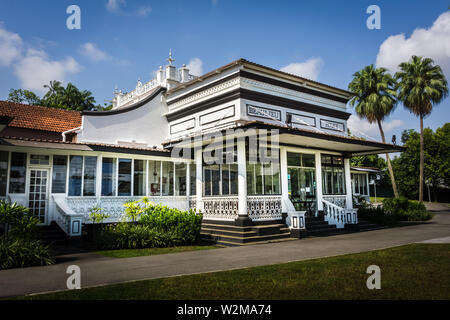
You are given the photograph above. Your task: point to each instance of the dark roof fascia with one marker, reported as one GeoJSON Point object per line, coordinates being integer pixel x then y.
{"type": "Point", "coordinates": [260, 97]}
{"type": "Point", "coordinates": [334, 138]}
{"type": "Point", "coordinates": [126, 109]}
{"type": "Point", "coordinates": [260, 78]}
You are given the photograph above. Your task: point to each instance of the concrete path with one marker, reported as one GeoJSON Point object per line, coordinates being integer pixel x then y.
{"type": "Point", "coordinates": [97, 270]}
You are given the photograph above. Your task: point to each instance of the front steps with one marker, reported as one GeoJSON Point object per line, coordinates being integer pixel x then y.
{"type": "Point", "coordinates": [53, 235]}
{"type": "Point", "coordinates": [231, 235]}
{"type": "Point", "coordinates": [317, 227]}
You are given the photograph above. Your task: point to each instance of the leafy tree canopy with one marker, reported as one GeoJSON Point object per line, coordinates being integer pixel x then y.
{"type": "Point", "coordinates": [436, 160]}
{"type": "Point", "coordinates": [58, 96]}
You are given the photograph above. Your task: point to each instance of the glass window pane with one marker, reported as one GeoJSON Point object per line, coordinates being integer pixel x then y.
{"type": "Point", "coordinates": [207, 179]}
{"type": "Point", "coordinates": [193, 174]}
{"type": "Point", "coordinates": [139, 178]}
{"type": "Point", "coordinates": [124, 181]}
{"type": "Point", "coordinates": [293, 159]}
{"type": "Point", "coordinates": [267, 171]}
{"type": "Point", "coordinates": [3, 172]}
{"type": "Point", "coordinates": [276, 178]}
{"type": "Point", "coordinates": [234, 178]}
{"type": "Point", "coordinates": [308, 160]}
{"type": "Point", "coordinates": [226, 179]}
{"type": "Point", "coordinates": [108, 177]}
{"type": "Point", "coordinates": [59, 174]}
{"type": "Point", "coordinates": [180, 179]}
{"type": "Point", "coordinates": [251, 179]}
{"type": "Point", "coordinates": [167, 178]}
{"type": "Point", "coordinates": [215, 180]}
{"type": "Point", "coordinates": [90, 173]}
{"type": "Point", "coordinates": [154, 177]}
{"type": "Point", "coordinates": [17, 172]}
{"type": "Point", "coordinates": [39, 159]}
{"type": "Point", "coordinates": [75, 172]}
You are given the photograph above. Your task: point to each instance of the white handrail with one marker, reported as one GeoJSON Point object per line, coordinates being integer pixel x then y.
{"type": "Point", "coordinates": [68, 220]}
{"type": "Point", "coordinates": [339, 216]}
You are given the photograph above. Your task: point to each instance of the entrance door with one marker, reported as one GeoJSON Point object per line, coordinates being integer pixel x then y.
{"type": "Point", "coordinates": [37, 195]}
{"type": "Point", "coordinates": [302, 182]}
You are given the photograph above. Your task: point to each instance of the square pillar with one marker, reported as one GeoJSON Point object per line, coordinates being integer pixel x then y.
{"type": "Point", "coordinates": [243, 218]}
{"type": "Point", "coordinates": [284, 179]}
{"type": "Point", "coordinates": [319, 191]}
{"type": "Point", "coordinates": [348, 184]}
{"type": "Point", "coordinates": [199, 177]}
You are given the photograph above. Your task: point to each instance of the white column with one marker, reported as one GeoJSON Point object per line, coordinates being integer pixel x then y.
{"type": "Point", "coordinates": [242, 178]}
{"type": "Point", "coordinates": [348, 184]}
{"type": "Point", "coordinates": [98, 181]}
{"type": "Point", "coordinates": [188, 180]}
{"type": "Point", "coordinates": [199, 178]}
{"type": "Point", "coordinates": [319, 192]}
{"type": "Point", "coordinates": [284, 178]}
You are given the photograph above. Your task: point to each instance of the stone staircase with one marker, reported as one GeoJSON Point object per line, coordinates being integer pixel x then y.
{"type": "Point", "coordinates": [53, 235]}
{"type": "Point", "coordinates": [227, 234]}
{"type": "Point", "coordinates": [317, 227]}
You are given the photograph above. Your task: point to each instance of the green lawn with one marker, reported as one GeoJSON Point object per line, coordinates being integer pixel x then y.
{"type": "Point", "coordinates": [128, 253]}
{"type": "Point", "coordinates": [416, 271]}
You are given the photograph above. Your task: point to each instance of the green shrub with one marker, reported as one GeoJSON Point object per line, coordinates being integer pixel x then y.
{"type": "Point", "coordinates": [19, 253]}
{"type": "Point", "coordinates": [376, 215]}
{"type": "Point", "coordinates": [186, 224]}
{"type": "Point", "coordinates": [136, 236]}
{"type": "Point", "coordinates": [406, 210]}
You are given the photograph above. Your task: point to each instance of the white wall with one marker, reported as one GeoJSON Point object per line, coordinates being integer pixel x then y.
{"type": "Point", "coordinates": [146, 124]}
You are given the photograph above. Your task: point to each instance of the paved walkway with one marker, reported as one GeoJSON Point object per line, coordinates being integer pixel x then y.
{"type": "Point", "coordinates": [97, 270]}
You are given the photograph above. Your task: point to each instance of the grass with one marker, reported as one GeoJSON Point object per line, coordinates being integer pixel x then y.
{"type": "Point", "coordinates": [416, 271]}
{"type": "Point", "coordinates": [128, 253]}
{"type": "Point", "coordinates": [379, 199]}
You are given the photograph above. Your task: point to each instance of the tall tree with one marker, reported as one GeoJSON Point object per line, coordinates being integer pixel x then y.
{"type": "Point", "coordinates": [69, 97]}
{"type": "Point", "coordinates": [374, 99]}
{"type": "Point", "coordinates": [24, 96]}
{"type": "Point", "coordinates": [421, 85]}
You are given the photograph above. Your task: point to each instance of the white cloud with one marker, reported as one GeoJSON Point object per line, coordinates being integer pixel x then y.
{"type": "Point", "coordinates": [115, 5]}
{"type": "Point", "coordinates": [362, 128]}
{"type": "Point", "coordinates": [10, 47]}
{"type": "Point", "coordinates": [433, 43]}
{"type": "Point", "coordinates": [309, 69]}
{"type": "Point", "coordinates": [36, 69]}
{"type": "Point", "coordinates": [91, 51]}
{"type": "Point", "coordinates": [195, 67]}
{"type": "Point", "coordinates": [144, 11]}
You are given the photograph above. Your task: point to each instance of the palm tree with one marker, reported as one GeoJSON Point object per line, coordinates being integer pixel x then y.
{"type": "Point", "coordinates": [374, 99]}
{"type": "Point", "coordinates": [421, 84]}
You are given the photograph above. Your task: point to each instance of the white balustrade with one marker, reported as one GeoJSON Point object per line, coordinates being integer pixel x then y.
{"type": "Point", "coordinates": [295, 219]}
{"type": "Point", "coordinates": [220, 208]}
{"type": "Point", "coordinates": [264, 208]}
{"type": "Point", "coordinates": [339, 216]}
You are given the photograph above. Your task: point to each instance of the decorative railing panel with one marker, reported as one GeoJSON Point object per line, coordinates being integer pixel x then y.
{"type": "Point", "coordinates": [261, 208]}
{"type": "Point", "coordinates": [220, 208]}
{"type": "Point", "coordinates": [340, 201]}
{"type": "Point", "coordinates": [114, 206]}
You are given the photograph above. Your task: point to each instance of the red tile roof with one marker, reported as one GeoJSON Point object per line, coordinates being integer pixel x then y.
{"type": "Point", "coordinates": [40, 118]}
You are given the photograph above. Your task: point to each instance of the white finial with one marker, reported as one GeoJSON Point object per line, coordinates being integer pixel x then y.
{"type": "Point", "coordinates": [170, 57]}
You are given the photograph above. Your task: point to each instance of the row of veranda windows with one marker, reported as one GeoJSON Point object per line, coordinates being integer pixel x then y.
{"type": "Point", "coordinates": [120, 176]}
{"type": "Point", "coordinates": [129, 177]}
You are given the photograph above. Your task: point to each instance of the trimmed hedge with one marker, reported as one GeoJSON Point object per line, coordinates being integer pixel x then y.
{"type": "Point", "coordinates": [186, 224]}
{"type": "Point", "coordinates": [406, 210]}
{"type": "Point", "coordinates": [19, 253]}
{"type": "Point", "coordinates": [156, 226]}
{"type": "Point", "coordinates": [394, 210]}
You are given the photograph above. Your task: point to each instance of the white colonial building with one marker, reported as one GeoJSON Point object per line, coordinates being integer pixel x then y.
{"type": "Point", "coordinates": [226, 122]}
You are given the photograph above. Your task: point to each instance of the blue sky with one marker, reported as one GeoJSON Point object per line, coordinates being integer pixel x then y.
{"type": "Point", "coordinates": [121, 40]}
